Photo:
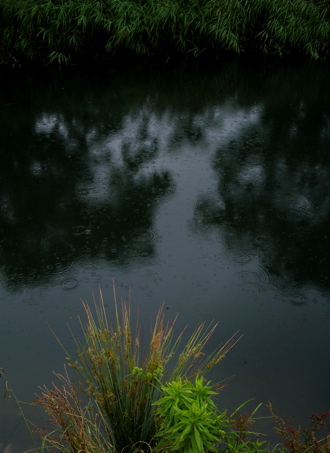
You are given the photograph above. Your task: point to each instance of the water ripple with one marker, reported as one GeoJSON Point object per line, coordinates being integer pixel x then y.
{"type": "Point", "coordinates": [59, 267]}
{"type": "Point", "coordinates": [243, 259]}
{"type": "Point", "coordinates": [78, 230]}
{"type": "Point", "coordinates": [260, 240]}
{"type": "Point", "coordinates": [292, 214]}
{"type": "Point", "coordinates": [298, 300]}
{"type": "Point", "coordinates": [69, 284]}
{"type": "Point", "coordinates": [142, 235]}
{"type": "Point", "coordinates": [250, 286]}
{"type": "Point", "coordinates": [248, 277]}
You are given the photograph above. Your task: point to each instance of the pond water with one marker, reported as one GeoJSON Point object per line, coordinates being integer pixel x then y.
{"type": "Point", "coordinates": [203, 189]}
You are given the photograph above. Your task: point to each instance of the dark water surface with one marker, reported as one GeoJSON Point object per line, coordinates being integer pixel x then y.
{"type": "Point", "coordinates": [207, 190]}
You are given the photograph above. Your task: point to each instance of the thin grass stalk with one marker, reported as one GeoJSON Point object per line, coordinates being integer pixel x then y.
{"type": "Point", "coordinates": [77, 427]}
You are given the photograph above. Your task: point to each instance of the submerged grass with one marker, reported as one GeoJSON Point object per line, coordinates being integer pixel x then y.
{"type": "Point", "coordinates": [60, 31]}
{"type": "Point", "coordinates": [111, 408]}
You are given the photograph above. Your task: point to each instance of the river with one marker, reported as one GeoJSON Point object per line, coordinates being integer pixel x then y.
{"type": "Point", "coordinates": [203, 188]}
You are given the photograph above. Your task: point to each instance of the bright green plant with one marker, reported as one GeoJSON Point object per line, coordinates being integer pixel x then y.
{"type": "Point", "coordinates": [191, 423]}
{"type": "Point", "coordinates": [189, 420]}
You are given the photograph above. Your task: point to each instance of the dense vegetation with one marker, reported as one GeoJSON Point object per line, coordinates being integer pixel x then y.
{"type": "Point", "coordinates": [127, 396]}
{"type": "Point", "coordinates": [63, 31]}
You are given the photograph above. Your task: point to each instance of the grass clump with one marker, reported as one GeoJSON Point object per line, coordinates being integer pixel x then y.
{"type": "Point", "coordinates": [111, 406]}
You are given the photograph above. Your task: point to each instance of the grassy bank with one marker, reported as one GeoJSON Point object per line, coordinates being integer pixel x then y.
{"type": "Point", "coordinates": [63, 31]}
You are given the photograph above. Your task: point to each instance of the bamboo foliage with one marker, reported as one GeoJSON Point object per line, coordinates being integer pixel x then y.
{"type": "Point", "coordinates": [297, 24]}
{"type": "Point", "coordinates": [60, 31]}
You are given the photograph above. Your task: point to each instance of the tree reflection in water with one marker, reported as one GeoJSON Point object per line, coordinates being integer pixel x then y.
{"type": "Point", "coordinates": [83, 165]}
{"type": "Point", "coordinates": [64, 201]}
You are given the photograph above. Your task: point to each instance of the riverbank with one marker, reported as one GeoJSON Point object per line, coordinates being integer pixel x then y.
{"type": "Point", "coordinates": [59, 33]}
